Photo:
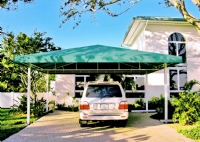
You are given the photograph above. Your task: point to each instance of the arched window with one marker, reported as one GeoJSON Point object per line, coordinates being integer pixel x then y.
{"type": "Point", "coordinates": [177, 45]}
{"type": "Point", "coordinates": [177, 75]}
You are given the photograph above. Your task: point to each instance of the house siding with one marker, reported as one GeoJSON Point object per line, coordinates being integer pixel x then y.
{"type": "Point", "coordinates": [64, 84]}
{"type": "Point", "coordinates": [156, 40]}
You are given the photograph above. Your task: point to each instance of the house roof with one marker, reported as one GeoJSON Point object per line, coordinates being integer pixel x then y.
{"type": "Point", "coordinates": [158, 18]}
{"type": "Point", "coordinates": [139, 23]}
{"type": "Point", "coordinates": [97, 59]}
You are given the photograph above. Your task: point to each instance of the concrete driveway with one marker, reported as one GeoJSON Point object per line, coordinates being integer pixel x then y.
{"type": "Point", "coordinates": [62, 126]}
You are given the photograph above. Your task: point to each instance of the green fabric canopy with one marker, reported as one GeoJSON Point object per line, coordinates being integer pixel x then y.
{"type": "Point", "coordinates": [97, 59]}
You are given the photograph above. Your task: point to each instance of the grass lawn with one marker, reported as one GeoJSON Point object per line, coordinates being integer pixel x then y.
{"type": "Point", "coordinates": [187, 128]}
{"type": "Point", "coordinates": [10, 124]}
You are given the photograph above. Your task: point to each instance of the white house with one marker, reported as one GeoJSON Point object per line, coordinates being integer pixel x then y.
{"type": "Point", "coordinates": [165, 35]}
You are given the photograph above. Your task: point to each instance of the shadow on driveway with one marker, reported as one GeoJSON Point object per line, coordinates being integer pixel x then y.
{"type": "Point", "coordinates": [63, 126]}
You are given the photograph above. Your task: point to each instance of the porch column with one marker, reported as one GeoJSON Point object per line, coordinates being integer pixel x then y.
{"type": "Point", "coordinates": [166, 92]}
{"type": "Point", "coordinates": [28, 95]}
{"type": "Point", "coordinates": [146, 98]}
{"type": "Point", "coordinates": [47, 93]}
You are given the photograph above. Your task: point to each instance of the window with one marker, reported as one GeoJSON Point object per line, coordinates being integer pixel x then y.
{"type": "Point", "coordinates": [177, 74]}
{"type": "Point", "coordinates": [100, 91]}
{"type": "Point", "coordinates": [177, 79]}
{"type": "Point", "coordinates": [139, 85]}
{"type": "Point", "coordinates": [176, 45]}
{"type": "Point", "coordinates": [80, 81]}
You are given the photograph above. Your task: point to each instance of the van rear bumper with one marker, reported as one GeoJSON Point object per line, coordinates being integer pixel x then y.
{"type": "Point", "coordinates": [123, 116]}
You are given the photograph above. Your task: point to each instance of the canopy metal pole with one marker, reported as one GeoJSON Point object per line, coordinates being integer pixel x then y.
{"type": "Point", "coordinates": [47, 93]}
{"type": "Point", "coordinates": [146, 97]}
{"type": "Point", "coordinates": [28, 95]}
{"type": "Point", "coordinates": [166, 92]}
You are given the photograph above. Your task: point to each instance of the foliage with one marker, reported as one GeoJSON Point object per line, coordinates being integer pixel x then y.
{"type": "Point", "coordinates": [188, 85]}
{"type": "Point", "coordinates": [23, 105]}
{"type": "Point", "coordinates": [40, 107]}
{"type": "Point", "coordinates": [12, 123]}
{"type": "Point", "coordinates": [14, 77]}
{"type": "Point", "coordinates": [187, 105]}
{"type": "Point", "coordinates": [126, 82]}
{"type": "Point", "coordinates": [156, 102]}
{"type": "Point", "coordinates": [193, 133]}
{"type": "Point", "coordinates": [37, 108]}
{"type": "Point", "coordinates": [187, 108]}
{"type": "Point", "coordinates": [139, 104]}
{"type": "Point", "coordinates": [75, 9]}
{"type": "Point", "coordinates": [61, 106]}
{"type": "Point", "coordinates": [12, 4]}
{"type": "Point", "coordinates": [71, 107]}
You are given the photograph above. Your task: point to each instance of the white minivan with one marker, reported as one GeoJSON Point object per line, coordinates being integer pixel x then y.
{"type": "Point", "coordinates": [103, 101]}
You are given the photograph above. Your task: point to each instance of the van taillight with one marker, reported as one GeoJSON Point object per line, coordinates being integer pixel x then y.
{"type": "Point", "coordinates": [123, 105]}
{"type": "Point", "coordinates": [84, 106]}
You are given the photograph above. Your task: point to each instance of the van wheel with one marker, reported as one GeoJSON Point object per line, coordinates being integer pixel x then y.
{"type": "Point", "coordinates": [82, 123]}
{"type": "Point", "coordinates": [122, 123]}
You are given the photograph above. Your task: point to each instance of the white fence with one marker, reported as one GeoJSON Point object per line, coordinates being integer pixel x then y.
{"type": "Point", "coordinates": [8, 99]}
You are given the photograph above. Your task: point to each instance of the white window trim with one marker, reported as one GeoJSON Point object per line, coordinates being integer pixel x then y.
{"type": "Point", "coordinates": [84, 76]}
{"type": "Point", "coordinates": [137, 91]}
{"type": "Point", "coordinates": [177, 42]}
{"type": "Point", "coordinates": [178, 78]}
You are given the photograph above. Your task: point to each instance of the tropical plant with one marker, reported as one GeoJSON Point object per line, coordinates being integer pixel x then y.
{"type": "Point", "coordinates": [192, 133]}
{"type": "Point", "coordinates": [187, 105]}
{"type": "Point", "coordinates": [37, 108]}
{"type": "Point", "coordinates": [12, 76]}
{"type": "Point", "coordinates": [139, 104]}
{"type": "Point", "coordinates": [187, 108]}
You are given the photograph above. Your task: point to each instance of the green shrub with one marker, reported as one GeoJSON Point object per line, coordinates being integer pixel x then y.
{"type": "Point", "coordinates": [139, 104]}
{"type": "Point", "coordinates": [130, 107]}
{"type": "Point", "coordinates": [52, 102]}
{"type": "Point", "coordinates": [37, 108]}
{"type": "Point", "coordinates": [23, 104]}
{"type": "Point", "coordinates": [158, 104]}
{"type": "Point", "coordinates": [73, 108]}
{"type": "Point", "coordinates": [187, 108]}
{"type": "Point", "coordinates": [40, 107]}
{"type": "Point", "coordinates": [193, 133]}
{"type": "Point", "coordinates": [61, 106]}
{"type": "Point", "coordinates": [155, 102]}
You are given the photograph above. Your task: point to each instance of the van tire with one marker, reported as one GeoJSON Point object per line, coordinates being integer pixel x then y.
{"type": "Point", "coordinates": [83, 123]}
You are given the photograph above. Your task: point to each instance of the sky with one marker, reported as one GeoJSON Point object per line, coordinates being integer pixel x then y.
{"type": "Point", "coordinates": [43, 15]}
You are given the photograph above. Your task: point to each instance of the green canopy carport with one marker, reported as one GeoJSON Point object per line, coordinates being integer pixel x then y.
{"type": "Point", "coordinates": [97, 59]}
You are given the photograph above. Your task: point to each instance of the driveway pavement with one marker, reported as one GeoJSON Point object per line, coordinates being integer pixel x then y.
{"type": "Point", "coordinates": [62, 126]}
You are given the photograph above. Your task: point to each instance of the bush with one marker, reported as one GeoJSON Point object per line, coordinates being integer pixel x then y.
{"type": "Point", "coordinates": [73, 108]}
{"type": "Point", "coordinates": [193, 133]}
{"type": "Point", "coordinates": [61, 106]}
{"type": "Point", "coordinates": [130, 107]}
{"type": "Point", "coordinates": [158, 104]}
{"type": "Point", "coordinates": [38, 108]}
{"type": "Point", "coordinates": [22, 108]}
{"type": "Point", "coordinates": [187, 108]}
{"type": "Point", "coordinates": [139, 104]}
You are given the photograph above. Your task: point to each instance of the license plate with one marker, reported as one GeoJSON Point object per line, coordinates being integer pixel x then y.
{"type": "Point", "coordinates": [104, 106]}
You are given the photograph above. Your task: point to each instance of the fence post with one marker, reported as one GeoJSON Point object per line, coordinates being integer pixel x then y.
{"type": "Point", "coordinates": [0, 100]}
{"type": "Point", "coordinates": [12, 94]}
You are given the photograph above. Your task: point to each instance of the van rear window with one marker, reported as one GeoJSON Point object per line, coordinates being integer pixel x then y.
{"type": "Point", "coordinates": [101, 91]}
